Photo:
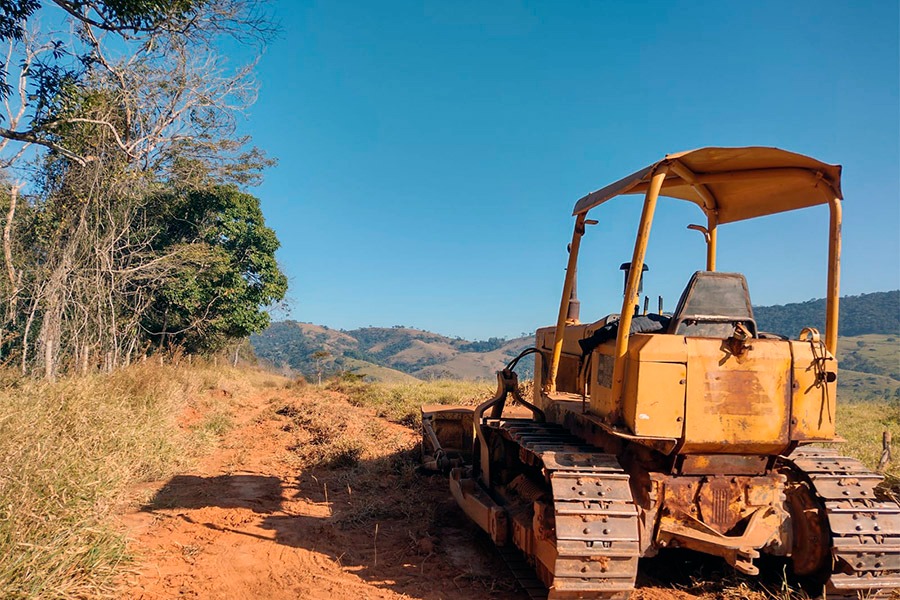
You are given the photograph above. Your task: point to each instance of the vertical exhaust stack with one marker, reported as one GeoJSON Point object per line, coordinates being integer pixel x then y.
{"type": "Point", "coordinates": [573, 313]}
{"type": "Point", "coordinates": [637, 298]}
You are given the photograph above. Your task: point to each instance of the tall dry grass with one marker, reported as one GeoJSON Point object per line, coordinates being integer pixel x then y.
{"type": "Point", "coordinates": [863, 424]}
{"type": "Point", "coordinates": [69, 451]}
{"type": "Point", "coordinates": [402, 401]}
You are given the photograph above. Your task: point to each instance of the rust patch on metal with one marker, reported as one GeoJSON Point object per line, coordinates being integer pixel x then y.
{"type": "Point", "coordinates": [736, 393]}
{"type": "Point", "coordinates": [720, 503]}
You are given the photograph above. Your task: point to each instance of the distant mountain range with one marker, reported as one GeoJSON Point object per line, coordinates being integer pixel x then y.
{"type": "Point", "coordinates": [401, 353]}
{"type": "Point", "coordinates": [384, 353]}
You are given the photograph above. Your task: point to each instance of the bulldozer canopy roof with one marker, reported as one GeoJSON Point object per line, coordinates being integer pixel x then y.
{"type": "Point", "coordinates": [734, 183]}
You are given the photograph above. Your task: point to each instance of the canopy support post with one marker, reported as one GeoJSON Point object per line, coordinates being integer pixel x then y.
{"type": "Point", "coordinates": [634, 278]}
{"type": "Point", "coordinates": [550, 384]}
{"type": "Point", "coordinates": [834, 275]}
{"type": "Point", "coordinates": [712, 222]}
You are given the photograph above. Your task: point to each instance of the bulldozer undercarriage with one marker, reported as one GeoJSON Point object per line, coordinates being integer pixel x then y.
{"type": "Point", "coordinates": [570, 509]}
{"type": "Point", "coordinates": [582, 521]}
{"type": "Point", "coordinates": [863, 532]}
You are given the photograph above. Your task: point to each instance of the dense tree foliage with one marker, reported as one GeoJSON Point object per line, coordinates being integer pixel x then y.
{"type": "Point", "coordinates": [878, 312]}
{"type": "Point", "coordinates": [216, 294]}
{"type": "Point", "coordinates": [126, 229]}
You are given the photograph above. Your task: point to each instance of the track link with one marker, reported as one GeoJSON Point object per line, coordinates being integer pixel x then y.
{"type": "Point", "coordinates": [588, 545]}
{"type": "Point", "coordinates": [865, 532]}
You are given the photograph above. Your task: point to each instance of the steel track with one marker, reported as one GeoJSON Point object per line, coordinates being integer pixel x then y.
{"type": "Point", "coordinates": [865, 532]}
{"type": "Point", "coordinates": [589, 547]}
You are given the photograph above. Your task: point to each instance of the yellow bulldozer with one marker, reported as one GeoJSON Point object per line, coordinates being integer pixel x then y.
{"type": "Point", "coordinates": [689, 430]}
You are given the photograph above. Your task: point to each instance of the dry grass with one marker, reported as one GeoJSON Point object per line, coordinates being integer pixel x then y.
{"type": "Point", "coordinates": [371, 464]}
{"type": "Point", "coordinates": [401, 402]}
{"type": "Point", "coordinates": [69, 451]}
{"type": "Point", "coordinates": [863, 424]}
{"type": "Point", "coordinates": [332, 436]}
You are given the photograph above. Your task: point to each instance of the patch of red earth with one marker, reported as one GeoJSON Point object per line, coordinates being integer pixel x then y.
{"type": "Point", "coordinates": [248, 522]}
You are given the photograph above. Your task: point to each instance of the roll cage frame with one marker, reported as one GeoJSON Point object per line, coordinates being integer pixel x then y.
{"type": "Point", "coordinates": [729, 184]}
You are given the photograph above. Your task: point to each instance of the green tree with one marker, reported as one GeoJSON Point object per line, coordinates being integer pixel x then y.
{"type": "Point", "coordinates": [116, 100]}
{"type": "Point", "coordinates": [227, 274]}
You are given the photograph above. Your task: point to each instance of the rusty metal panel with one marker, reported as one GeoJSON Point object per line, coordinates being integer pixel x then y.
{"type": "Point", "coordinates": [723, 464]}
{"type": "Point", "coordinates": [813, 397]}
{"type": "Point", "coordinates": [878, 519]}
{"type": "Point", "coordinates": [836, 487]}
{"type": "Point", "coordinates": [861, 558]}
{"type": "Point", "coordinates": [595, 507]}
{"type": "Point", "coordinates": [598, 528]}
{"type": "Point", "coordinates": [853, 583]}
{"type": "Point", "coordinates": [617, 548]}
{"type": "Point", "coordinates": [579, 461]}
{"type": "Point", "coordinates": [839, 465]}
{"type": "Point", "coordinates": [603, 404]}
{"type": "Point", "coordinates": [737, 404]}
{"type": "Point", "coordinates": [813, 452]}
{"type": "Point", "coordinates": [580, 587]}
{"type": "Point", "coordinates": [654, 398]}
{"type": "Point", "coordinates": [721, 502]}
{"type": "Point", "coordinates": [584, 487]}
{"type": "Point", "coordinates": [542, 448]}
{"type": "Point", "coordinates": [594, 566]}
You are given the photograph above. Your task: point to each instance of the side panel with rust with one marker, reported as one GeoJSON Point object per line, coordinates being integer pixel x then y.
{"type": "Point", "coordinates": [602, 402]}
{"type": "Point", "coordinates": [812, 411]}
{"type": "Point", "coordinates": [735, 403]}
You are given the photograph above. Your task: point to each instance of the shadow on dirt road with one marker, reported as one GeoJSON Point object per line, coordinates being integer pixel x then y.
{"type": "Point", "coordinates": [380, 520]}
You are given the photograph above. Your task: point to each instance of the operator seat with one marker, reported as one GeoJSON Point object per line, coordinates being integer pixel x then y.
{"type": "Point", "coordinates": [712, 305]}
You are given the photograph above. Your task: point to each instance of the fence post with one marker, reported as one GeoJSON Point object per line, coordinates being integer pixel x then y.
{"type": "Point", "coordinates": [886, 450]}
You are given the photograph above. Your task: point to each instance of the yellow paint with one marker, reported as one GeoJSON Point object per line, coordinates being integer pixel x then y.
{"type": "Point", "coordinates": [634, 278]}
{"type": "Point", "coordinates": [654, 398]}
{"type": "Point", "coordinates": [652, 349]}
{"type": "Point", "coordinates": [813, 402]}
{"type": "Point", "coordinates": [658, 347]}
{"type": "Point", "coordinates": [602, 402]}
{"type": "Point", "coordinates": [737, 403]}
{"type": "Point", "coordinates": [834, 275]}
{"type": "Point", "coordinates": [550, 384]}
{"type": "Point", "coordinates": [713, 241]}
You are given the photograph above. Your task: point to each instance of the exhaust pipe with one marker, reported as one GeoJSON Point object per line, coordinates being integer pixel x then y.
{"type": "Point", "coordinates": [573, 313]}
{"type": "Point", "coordinates": [637, 299]}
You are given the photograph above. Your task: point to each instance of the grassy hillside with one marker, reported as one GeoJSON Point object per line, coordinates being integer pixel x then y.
{"type": "Point", "coordinates": [869, 369]}
{"type": "Point", "coordinates": [384, 353]}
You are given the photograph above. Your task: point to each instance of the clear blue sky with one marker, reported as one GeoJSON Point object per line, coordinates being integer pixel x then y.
{"type": "Point", "coordinates": [430, 152]}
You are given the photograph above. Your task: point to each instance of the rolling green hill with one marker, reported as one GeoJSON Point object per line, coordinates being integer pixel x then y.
{"type": "Point", "coordinates": [869, 345]}
{"type": "Point", "coordinates": [384, 353]}
{"type": "Point", "coordinates": [869, 368]}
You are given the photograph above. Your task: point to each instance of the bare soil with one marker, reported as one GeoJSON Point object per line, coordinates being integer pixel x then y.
{"type": "Point", "coordinates": [286, 508]}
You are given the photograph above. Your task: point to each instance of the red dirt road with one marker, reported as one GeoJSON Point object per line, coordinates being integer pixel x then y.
{"type": "Point", "coordinates": [259, 518]}
{"type": "Point", "coordinates": [250, 523]}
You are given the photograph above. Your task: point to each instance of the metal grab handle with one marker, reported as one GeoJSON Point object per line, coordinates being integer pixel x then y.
{"type": "Point", "coordinates": [809, 334]}
{"type": "Point", "coordinates": [507, 383]}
